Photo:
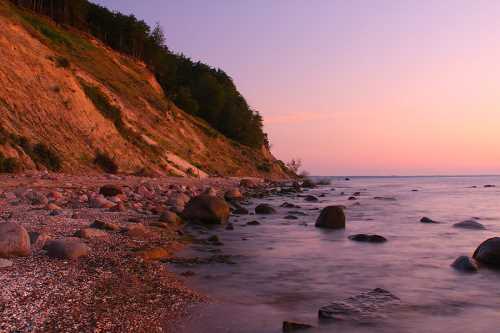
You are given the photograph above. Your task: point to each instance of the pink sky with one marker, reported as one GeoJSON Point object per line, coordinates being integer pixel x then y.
{"type": "Point", "coordinates": [355, 87]}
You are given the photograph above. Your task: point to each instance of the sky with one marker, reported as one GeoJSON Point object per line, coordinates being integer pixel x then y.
{"type": "Point", "coordinates": [354, 87]}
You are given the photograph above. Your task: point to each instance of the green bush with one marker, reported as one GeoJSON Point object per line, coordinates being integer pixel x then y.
{"type": "Point", "coordinates": [106, 163]}
{"type": "Point", "coordinates": [46, 156]}
{"type": "Point", "coordinates": [9, 165]}
{"type": "Point", "coordinates": [62, 62]}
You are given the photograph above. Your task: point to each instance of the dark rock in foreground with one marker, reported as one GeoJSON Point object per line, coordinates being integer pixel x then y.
{"type": "Point", "coordinates": [67, 249]}
{"type": "Point", "coordinates": [368, 238]}
{"type": "Point", "coordinates": [464, 264]}
{"type": "Point", "coordinates": [207, 209]}
{"type": "Point", "coordinates": [488, 253]}
{"type": "Point", "coordinates": [14, 241]}
{"type": "Point", "coordinates": [365, 307]}
{"type": "Point", "coordinates": [290, 326]}
{"type": "Point", "coordinates": [331, 217]}
{"type": "Point", "coordinates": [264, 209]}
{"type": "Point", "coordinates": [469, 224]}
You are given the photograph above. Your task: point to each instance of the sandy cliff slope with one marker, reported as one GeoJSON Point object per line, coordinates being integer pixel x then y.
{"type": "Point", "coordinates": [52, 84]}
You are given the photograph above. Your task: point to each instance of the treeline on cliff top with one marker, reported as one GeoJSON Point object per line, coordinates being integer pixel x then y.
{"type": "Point", "coordinates": [195, 87]}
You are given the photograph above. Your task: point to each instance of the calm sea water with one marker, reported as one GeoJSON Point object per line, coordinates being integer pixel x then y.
{"type": "Point", "coordinates": [286, 270]}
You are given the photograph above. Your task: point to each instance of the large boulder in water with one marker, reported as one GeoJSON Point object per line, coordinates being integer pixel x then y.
{"type": "Point", "coordinates": [331, 217]}
{"type": "Point", "coordinates": [488, 253]}
{"type": "Point", "coordinates": [14, 241]}
{"type": "Point", "coordinates": [207, 210]}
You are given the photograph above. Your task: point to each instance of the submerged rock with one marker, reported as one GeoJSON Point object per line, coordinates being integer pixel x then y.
{"type": "Point", "coordinates": [488, 253]}
{"type": "Point", "coordinates": [331, 217]}
{"type": "Point", "coordinates": [264, 209]}
{"type": "Point", "coordinates": [207, 210]}
{"type": "Point", "coordinates": [469, 224]}
{"type": "Point", "coordinates": [289, 205]}
{"type": "Point", "coordinates": [427, 220]}
{"type": "Point", "coordinates": [385, 198]}
{"type": "Point", "coordinates": [364, 307]}
{"type": "Point", "coordinates": [253, 223]}
{"type": "Point", "coordinates": [291, 326]}
{"type": "Point", "coordinates": [464, 264]}
{"type": "Point", "coordinates": [14, 241]}
{"type": "Point", "coordinates": [368, 238]}
{"type": "Point", "coordinates": [311, 198]}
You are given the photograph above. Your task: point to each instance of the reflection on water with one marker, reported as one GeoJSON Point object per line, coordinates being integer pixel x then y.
{"type": "Point", "coordinates": [285, 270]}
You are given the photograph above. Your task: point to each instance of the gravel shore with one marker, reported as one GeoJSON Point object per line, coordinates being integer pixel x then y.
{"type": "Point", "coordinates": [121, 285]}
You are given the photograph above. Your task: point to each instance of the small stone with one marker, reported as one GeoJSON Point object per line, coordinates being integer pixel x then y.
{"type": "Point", "coordinates": [464, 264]}
{"type": "Point", "coordinates": [290, 326]}
{"type": "Point", "coordinates": [253, 223]}
{"type": "Point", "coordinates": [99, 224]}
{"type": "Point", "coordinates": [368, 238]}
{"type": "Point", "coordinates": [264, 209]}
{"type": "Point", "coordinates": [69, 249]}
{"type": "Point", "coordinates": [110, 190]}
{"type": "Point", "coordinates": [91, 233]}
{"type": "Point", "coordinates": [4, 263]}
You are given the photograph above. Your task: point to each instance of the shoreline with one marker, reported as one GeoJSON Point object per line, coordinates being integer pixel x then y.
{"type": "Point", "coordinates": [121, 285]}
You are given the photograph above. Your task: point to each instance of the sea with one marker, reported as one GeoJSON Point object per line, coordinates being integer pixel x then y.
{"type": "Point", "coordinates": [286, 270]}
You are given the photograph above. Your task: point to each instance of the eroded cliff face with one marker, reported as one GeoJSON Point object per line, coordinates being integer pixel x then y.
{"type": "Point", "coordinates": [52, 85]}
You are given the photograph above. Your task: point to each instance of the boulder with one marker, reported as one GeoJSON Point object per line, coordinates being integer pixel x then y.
{"type": "Point", "coordinates": [37, 198]}
{"type": "Point", "coordinates": [103, 225]}
{"type": "Point", "coordinates": [38, 240]}
{"type": "Point", "coordinates": [264, 209]}
{"type": "Point", "coordinates": [464, 264]}
{"type": "Point", "coordinates": [207, 210]}
{"type": "Point", "coordinates": [136, 231]}
{"type": "Point", "coordinates": [253, 223]}
{"type": "Point", "coordinates": [469, 224]}
{"type": "Point", "coordinates": [5, 263]}
{"type": "Point", "coordinates": [233, 194]}
{"type": "Point", "coordinates": [14, 241]}
{"type": "Point", "coordinates": [110, 190]}
{"type": "Point", "coordinates": [100, 202]}
{"type": "Point", "coordinates": [363, 308]}
{"type": "Point", "coordinates": [169, 217]}
{"type": "Point", "coordinates": [91, 233]}
{"type": "Point", "coordinates": [331, 217]}
{"type": "Point", "coordinates": [488, 253]}
{"type": "Point", "coordinates": [68, 249]}
{"type": "Point", "coordinates": [368, 238]}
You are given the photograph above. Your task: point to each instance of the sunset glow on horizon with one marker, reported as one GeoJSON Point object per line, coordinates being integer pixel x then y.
{"type": "Point", "coordinates": [355, 87]}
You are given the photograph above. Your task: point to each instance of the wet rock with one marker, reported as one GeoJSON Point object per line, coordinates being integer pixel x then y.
{"type": "Point", "coordinates": [311, 198]}
{"type": "Point", "coordinates": [229, 226]}
{"type": "Point", "coordinates": [469, 224]}
{"type": "Point", "coordinates": [119, 207]}
{"type": "Point", "coordinates": [233, 194]}
{"type": "Point", "coordinates": [253, 223]}
{"type": "Point", "coordinates": [69, 249]}
{"type": "Point", "coordinates": [5, 263]}
{"type": "Point", "coordinates": [427, 220]}
{"type": "Point", "coordinates": [100, 202]}
{"type": "Point", "coordinates": [289, 205]}
{"type": "Point", "coordinates": [331, 217]}
{"type": "Point", "coordinates": [53, 207]}
{"type": "Point", "coordinates": [489, 186]}
{"type": "Point", "coordinates": [356, 194]}
{"type": "Point", "coordinates": [136, 231]}
{"type": "Point", "coordinates": [290, 326]}
{"type": "Point", "coordinates": [488, 253]}
{"type": "Point", "coordinates": [264, 209]}
{"type": "Point", "coordinates": [153, 254]}
{"type": "Point", "coordinates": [91, 233]}
{"type": "Point", "coordinates": [210, 191]}
{"type": "Point", "coordinates": [241, 211]}
{"type": "Point", "coordinates": [214, 240]}
{"type": "Point", "coordinates": [464, 264]}
{"type": "Point", "coordinates": [352, 198]}
{"type": "Point", "coordinates": [38, 240]}
{"type": "Point", "coordinates": [169, 217]}
{"type": "Point", "coordinates": [363, 308]}
{"type": "Point", "coordinates": [110, 190]}
{"type": "Point", "coordinates": [207, 210]}
{"type": "Point", "coordinates": [368, 238]}
{"type": "Point", "coordinates": [14, 241]}
{"type": "Point", "coordinates": [103, 225]}
{"type": "Point", "coordinates": [291, 217]}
